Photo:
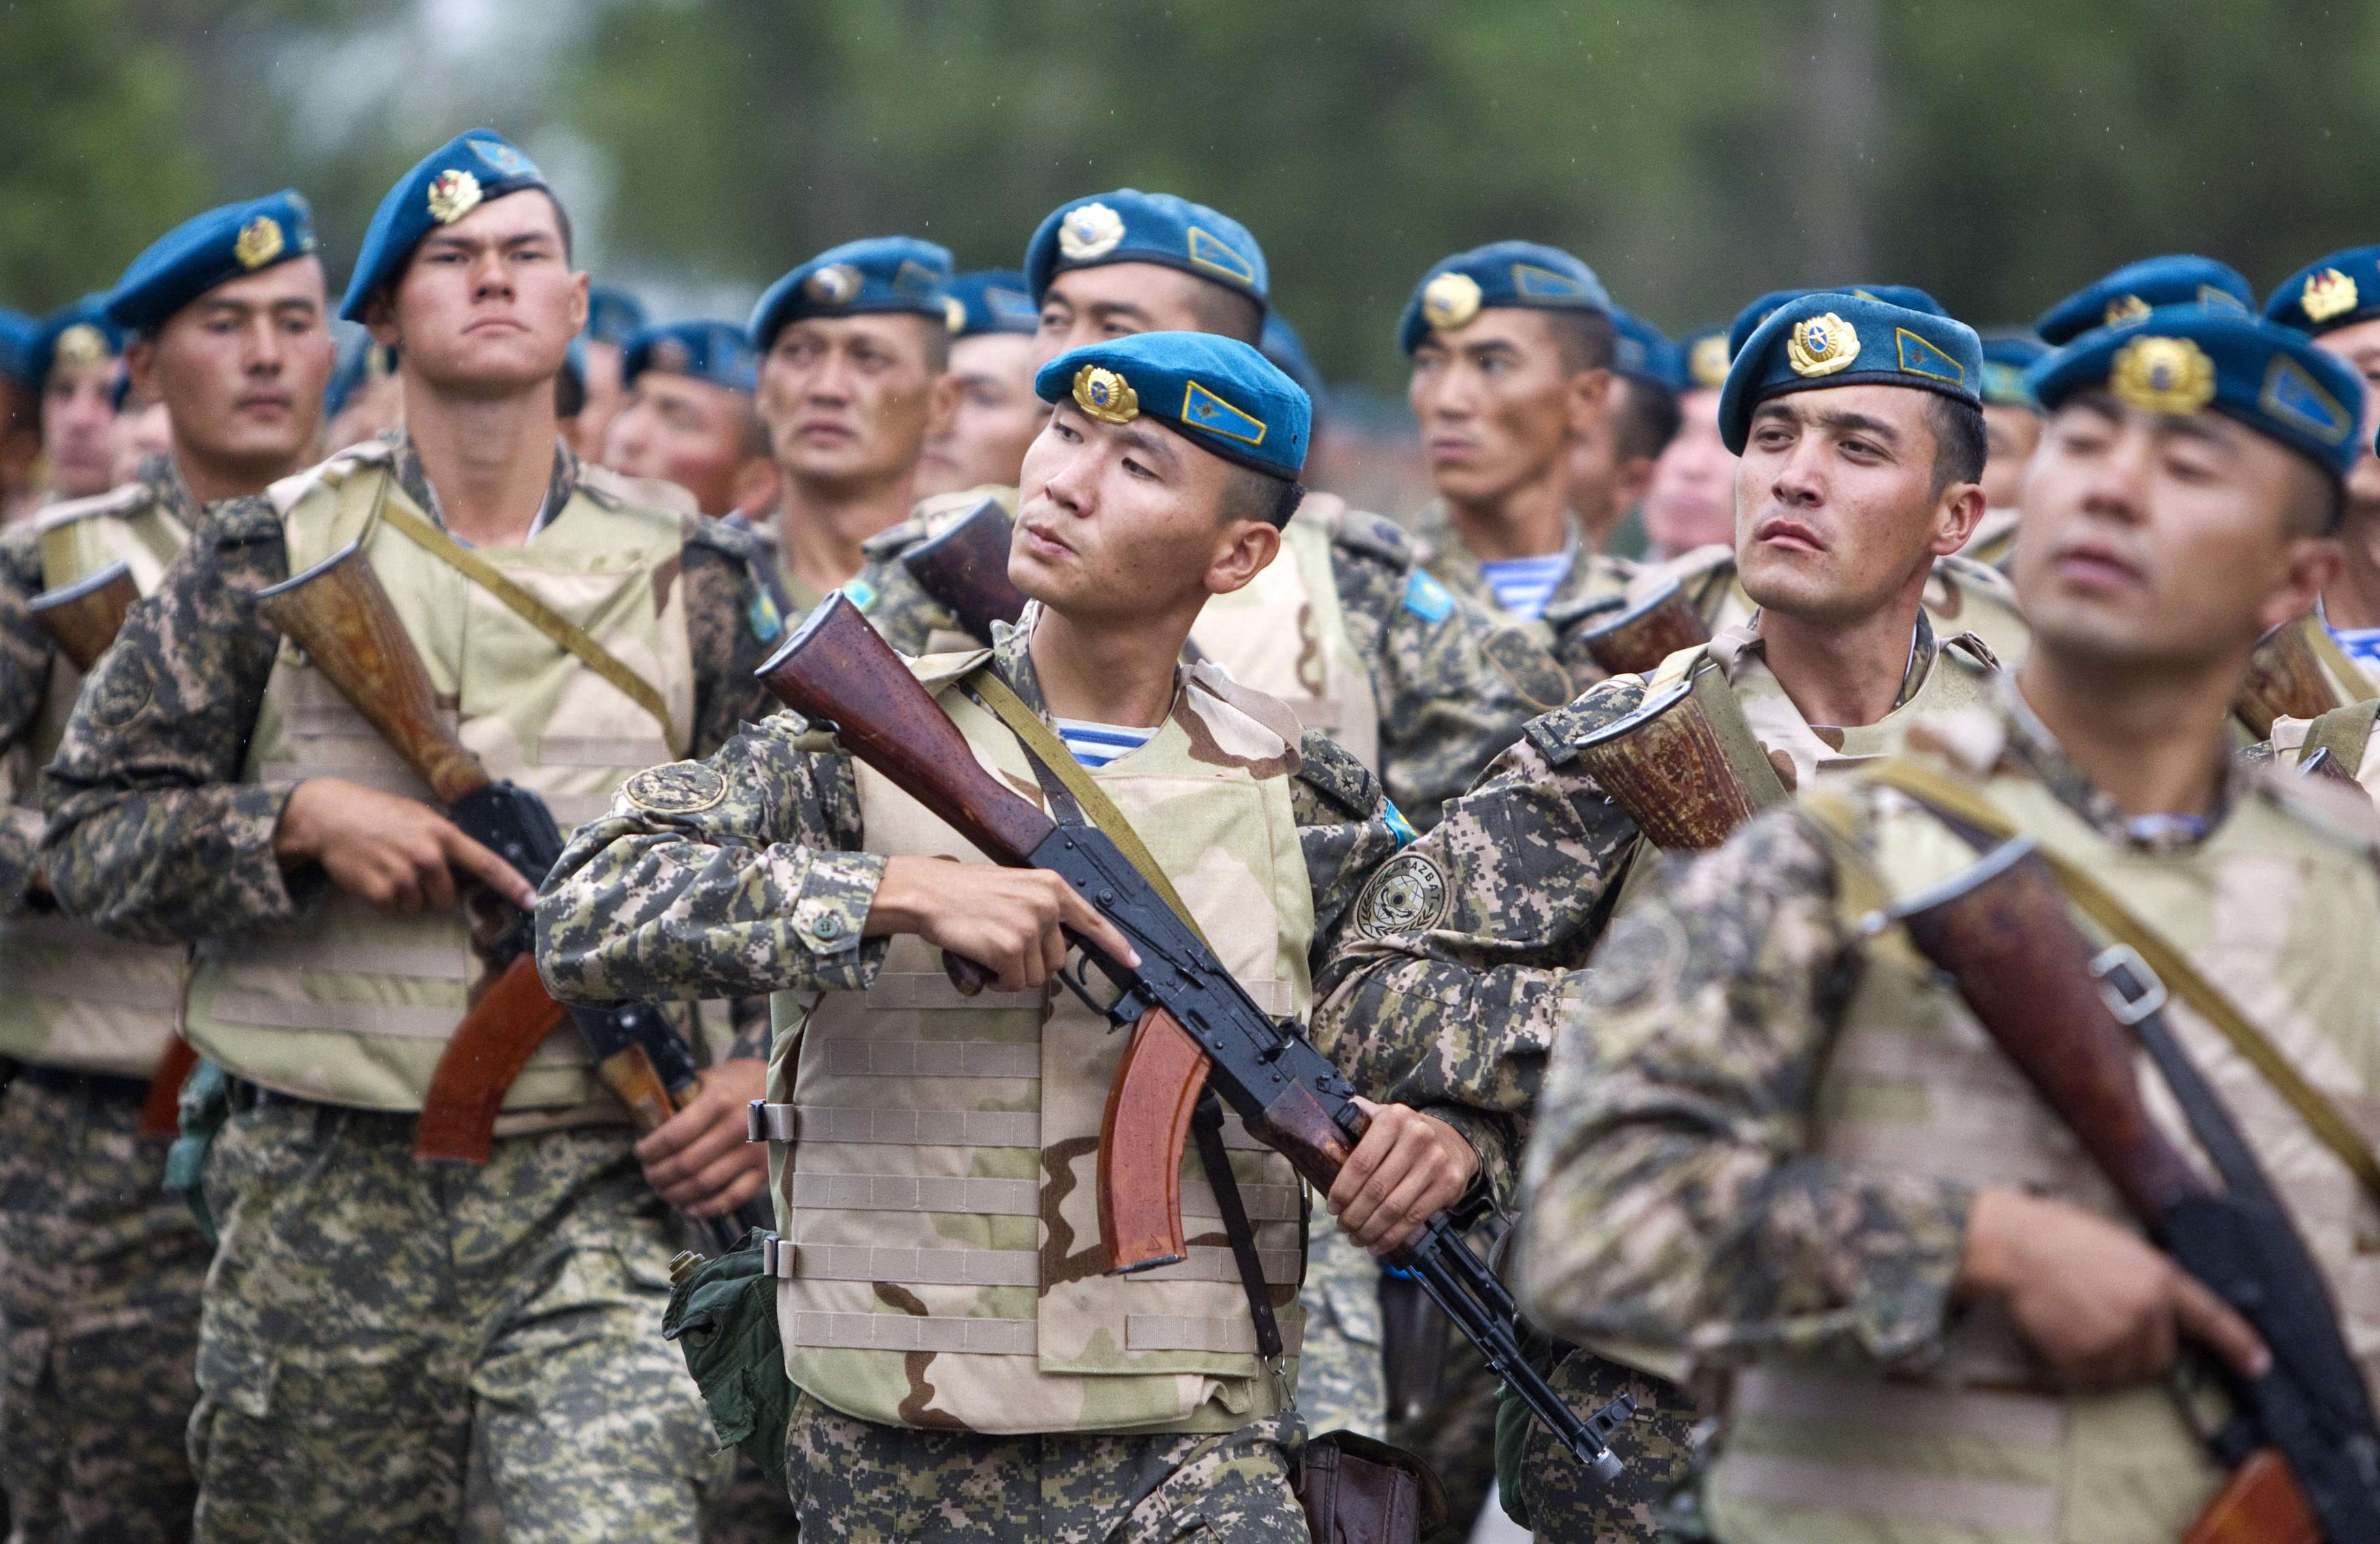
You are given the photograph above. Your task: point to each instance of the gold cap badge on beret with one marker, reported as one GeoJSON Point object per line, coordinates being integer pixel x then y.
{"type": "Point", "coordinates": [453, 194]}
{"type": "Point", "coordinates": [1708, 361]}
{"type": "Point", "coordinates": [834, 285]}
{"type": "Point", "coordinates": [1822, 345]}
{"type": "Point", "coordinates": [1091, 230]}
{"type": "Point", "coordinates": [81, 344]}
{"type": "Point", "coordinates": [259, 242]}
{"type": "Point", "coordinates": [954, 314]}
{"type": "Point", "coordinates": [1449, 301]}
{"type": "Point", "coordinates": [2123, 308]}
{"type": "Point", "coordinates": [1102, 394]}
{"type": "Point", "coordinates": [2163, 375]}
{"type": "Point", "coordinates": [2327, 294]}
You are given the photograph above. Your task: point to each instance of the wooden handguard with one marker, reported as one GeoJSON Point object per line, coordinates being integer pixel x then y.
{"type": "Point", "coordinates": [160, 1107]}
{"type": "Point", "coordinates": [1639, 638]}
{"type": "Point", "coordinates": [497, 1036]}
{"type": "Point", "coordinates": [2285, 680]}
{"type": "Point", "coordinates": [1684, 765]}
{"type": "Point", "coordinates": [1141, 1139]}
{"type": "Point", "coordinates": [84, 617]}
{"type": "Point", "coordinates": [837, 669]}
{"type": "Point", "coordinates": [338, 613]}
{"type": "Point", "coordinates": [965, 568]}
{"type": "Point", "coordinates": [2260, 1504]}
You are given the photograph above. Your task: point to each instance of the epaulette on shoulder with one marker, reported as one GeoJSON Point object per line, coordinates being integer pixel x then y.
{"type": "Point", "coordinates": [736, 540]}
{"type": "Point", "coordinates": [1374, 536]}
{"type": "Point", "coordinates": [892, 541]}
{"type": "Point", "coordinates": [616, 491]}
{"type": "Point", "coordinates": [1981, 577]}
{"type": "Point", "coordinates": [329, 473]}
{"type": "Point", "coordinates": [1970, 652]}
{"type": "Point", "coordinates": [1556, 734]}
{"type": "Point", "coordinates": [1332, 771]}
{"type": "Point", "coordinates": [2340, 812]}
{"type": "Point", "coordinates": [118, 501]}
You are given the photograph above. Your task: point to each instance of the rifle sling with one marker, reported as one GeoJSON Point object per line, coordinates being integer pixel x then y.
{"type": "Point", "coordinates": [2346, 733]}
{"type": "Point", "coordinates": [1946, 795]}
{"type": "Point", "coordinates": [2346, 676]}
{"type": "Point", "coordinates": [569, 634]}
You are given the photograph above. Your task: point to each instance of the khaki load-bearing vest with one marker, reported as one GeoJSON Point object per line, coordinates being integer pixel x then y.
{"type": "Point", "coordinates": [71, 996]}
{"type": "Point", "coordinates": [351, 1006]}
{"type": "Point", "coordinates": [2272, 907]}
{"type": "Point", "coordinates": [936, 1156]}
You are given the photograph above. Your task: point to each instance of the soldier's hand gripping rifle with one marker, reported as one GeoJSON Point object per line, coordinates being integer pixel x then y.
{"type": "Point", "coordinates": [2305, 1450]}
{"type": "Point", "coordinates": [965, 568]}
{"type": "Point", "coordinates": [339, 614]}
{"type": "Point", "coordinates": [82, 619]}
{"type": "Point", "coordinates": [1194, 1027]}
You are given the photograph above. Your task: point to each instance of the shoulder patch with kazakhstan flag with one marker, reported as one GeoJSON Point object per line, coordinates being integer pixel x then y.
{"type": "Point", "coordinates": [1428, 599]}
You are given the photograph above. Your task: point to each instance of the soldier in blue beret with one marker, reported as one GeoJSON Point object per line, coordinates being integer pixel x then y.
{"type": "Point", "coordinates": [2335, 300]}
{"type": "Point", "coordinates": [76, 360]}
{"type": "Point", "coordinates": [1610, 470]}
{"type": "Point", "coordinates": [855, 347]}
{"type": "Point", "coordinates": [994, 414]}
{"type": "Point", "coordinates": [365, 396]}
{"type": "Point", "coordinates": [2011, 429]}
{"type": "Point", "coordinates": [1089, 267]}
{"type": "Point", "coordinates": [230, 343]}
{"type": "Point", "coordinates": [612, 316]}
{"type": "Point", "coordinates": [2132, 291]}
{"type": "Point", "coordinates": [1689, 504]}
{"type": "Point", "coordinates": [690, 418]}
{"type": "Point", "coordinates": [20, 433]}
{"type": "Point", "coordinates": [1907, 296]}
{"type": "Point", "coordinates": [223, 785]}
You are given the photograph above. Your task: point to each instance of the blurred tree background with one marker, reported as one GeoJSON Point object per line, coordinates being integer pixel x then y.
{"type": "Point", "coordinates": [1695, 152]}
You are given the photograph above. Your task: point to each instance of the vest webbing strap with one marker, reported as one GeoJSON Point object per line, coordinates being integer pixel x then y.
{"type": "Point", "coordinates": [536, 613]}
{"type": "Point", "coordinates": [2346, 733]}
{"type": "Point", "coordinates": [57, 544]}
{"type": "Point", "coordinates": [2347, 676]}
{"type": "Point", "coordinates": [1947, 796]}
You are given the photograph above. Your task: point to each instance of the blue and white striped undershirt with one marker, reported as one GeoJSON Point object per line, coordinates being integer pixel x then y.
{"type": "Point", "coordinates": [1095, 744]}
{"type": "Point", "coordinates": [1523, 585]}
{"type": "Point", "coordinates": [2359, 644]}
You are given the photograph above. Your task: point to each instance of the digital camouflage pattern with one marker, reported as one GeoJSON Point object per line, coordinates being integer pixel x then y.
{"type": "Point", "coordinates": [1342, 1384]}
{"type": "Point", "coordinates": [858, 1482]}
{"type": "Point", "coordinates": [1565, 1501]}
{"type": "Point", "coordinates": [152, 834]}
{"type": "Point", "coordinates": [100, 1271]}
{"type": "Point", "coordinates": [1594, 587]}
{"type": "Point", "coordinates": [370, 1313]}
{"type": "Point", "coordinates": [1452, 687]}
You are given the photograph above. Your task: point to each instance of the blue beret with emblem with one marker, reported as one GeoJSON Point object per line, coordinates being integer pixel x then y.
{"type": "Point", "coordinates": [2336, 291]}
{"type": "Point", "coordinates": [2007, 356]}
{"type": "Point", "coordinates": [360, 359]}
{"type": "Point", "coordinates": [17, 332]}
{"type": "Point", "coordinates": [1509, 274]}
{"type": "Point", "coordinates": [2185, 358]}
{"type": "Point", "coordinates": [1829, 339]}
{"type": "Point", "coordinates": [1703, 359]}
{"type": "Point", "coordinates": [1128, 226]}
{"type": "Point", "coordinates": [2137, 288]}
{"type": "Point", "coordinates": [1216, 392]}
{"type": "Point", "coordinates": [993, 300]}
{"type": "Point", "coordinates": [713, 351]}
{"type": "Point", "coordinates": [1643, 350]}
{"type": "Point", "coordinates": [457, 177]}
{"type": "Point", "coordinates": [76, 334]}
{"type": "Point", "coordinates": [208, 249]}
{"type": "Point", "coordinates": [613, 315]}
{"type": "Point", "coordinates": [1907, 297]}
{"type": "Point", "coordinates": [874, 275]}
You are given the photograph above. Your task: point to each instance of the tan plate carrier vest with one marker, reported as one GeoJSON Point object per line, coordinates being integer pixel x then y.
{"type": "Point", "coordinates": [2279, 910]}
{"type": "Point", "coordinates": [71, 996]}
{"type": "Point", "coordinates": [351, 1006]}
{"type": "Point", "coordinates": [937, 1174]}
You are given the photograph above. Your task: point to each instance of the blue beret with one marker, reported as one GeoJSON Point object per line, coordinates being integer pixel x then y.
{"type": "Point", "coordinates": [1217, 393]}
{"type": "Point", "coordinates": [76, 332]}
{"type": "Point", "coordinates": [613, 313]}
{"type": "Point", "coordinates": [713, 351]}
{"type": "Point", "coordinates": [1703, 357]}
{"type": "Point", "coordinates": [993, 300]}
{"type": "Point", "coordinates": [2007, 356]}
{"type": "Point", "coordinates": [1848, 340]}
{"type": "Point", "coordinates": [880, 273]}
{"type": "Point", "coordinates": [1282, 344]}
{"type": "Point", "coordinates": [359, 361]}
{"type": "Point", "coordinates": [1509, 274]}
{"type": "Point", "coordinates": [2331, 292]}
{"type": "Point", "coordinates": [1641, 349]}
{"type": "Point", "coordinates": [457, 177]}
{"type": "Point", "coordinates": [2137, 288]}
{"type": "Point", "coordinates": [17, 332]}
{"type": "Point", "coordinates": [206, 250]}
{"type": "Point", "coordinates": [2183, 358]}
{"type": "Point", "coordinates": [1907, 297]}
{"type": "Point", "coordinates": [1129, 225]}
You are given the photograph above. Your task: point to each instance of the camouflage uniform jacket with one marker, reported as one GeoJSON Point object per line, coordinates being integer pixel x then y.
{"type": "Point", "coordinates": [1488, 919]}
{"type": "Point", "coordinates": [1672, 1197]}
{"type": "Point", "coordinates": [1594, 585]}
{"type": "Point", "coordinates": [154, 836]}
{"type": "Point", "coordinates": [750, 873]}
{"type": "Point", "coordinates": [26, 651]}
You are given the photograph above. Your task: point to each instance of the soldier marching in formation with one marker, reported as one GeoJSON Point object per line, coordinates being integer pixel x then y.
{"type": "Point", "coordinates": [557, 983]}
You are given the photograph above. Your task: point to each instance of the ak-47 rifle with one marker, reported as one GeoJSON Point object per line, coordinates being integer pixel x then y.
{"type": "Point", "coordinates": [1637, 640]}
{"type": "Point", "coordinates": [82, 619]}
{"type": "Point", "coordinates": [965, 568]}
{"type": "Point", "coordinates": [1684, 764]}
{"type": "Point", "coordinates": [2284, 679]}
{"type": "Point", "coordinates": [2305, 1452]}
{"type": "Point", "coordinates": [339, 614]}
{"type": "Point", "coordinates": [1194, 1027]}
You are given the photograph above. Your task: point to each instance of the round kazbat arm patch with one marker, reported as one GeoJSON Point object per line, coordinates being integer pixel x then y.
{"type": "Point", "coordinates": [680, 788]}
{"type": "Point", "coordinates": [1408, 895]}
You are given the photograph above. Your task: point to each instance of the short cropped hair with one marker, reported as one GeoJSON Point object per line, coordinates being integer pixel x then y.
{"type": "Point", "coordinates": [1249, 494]}
{"type": "Point", "coordinates": [1228, 313]}
{"type": "Point", "coordinates": [1585, 338]}
{"type": "Point", "coordinates": [1645, 417]}
{"type": "Point", "coordinates": [1958, 442]}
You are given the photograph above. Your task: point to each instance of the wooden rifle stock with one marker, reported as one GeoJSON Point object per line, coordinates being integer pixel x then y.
{"type": "Point", "coordinates": [1639, 638]}
{"type": "Point", "coordinates": [160, 1107]}
{"type": "Point", "coordinates": [490, 1047]}
{"type": "Point", "coordinates": [2284, 679]}
{"type": "Point", "coordinates": [965, 568]}
{"type": "Point", "coordinates": [2260, 1505]}
{"type": "Point", "coordinates": [84, 617]}
{"type": "Point", "coordinates": [1684, 764]}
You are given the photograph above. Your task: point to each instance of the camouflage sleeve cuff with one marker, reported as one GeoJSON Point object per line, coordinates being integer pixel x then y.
{"type": "Point", "coordinates": [1903, 1301]}
{"type": "Point", "coordinates": [834, 891]}
{"type": "Point", "coordinates": [1493, 1140]}
{"type": "Point", "coordinates": [20, 836]}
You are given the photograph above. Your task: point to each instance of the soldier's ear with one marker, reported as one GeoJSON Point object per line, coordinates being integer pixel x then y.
{"type": "Point", "coordinates": [1590, 398]}
{"type": "Point", "coordinates": [380, 316]}
{"type": "Point", "coordinates": [1245, 549]}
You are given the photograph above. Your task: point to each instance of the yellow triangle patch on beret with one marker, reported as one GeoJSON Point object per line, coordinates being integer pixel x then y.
{"type": "Point", "coordinates": [1212, 251]}
{"type": "Point", "coordinates": [1203, 409]}
{"type": "Point", "coordinates": [1921, 358]}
